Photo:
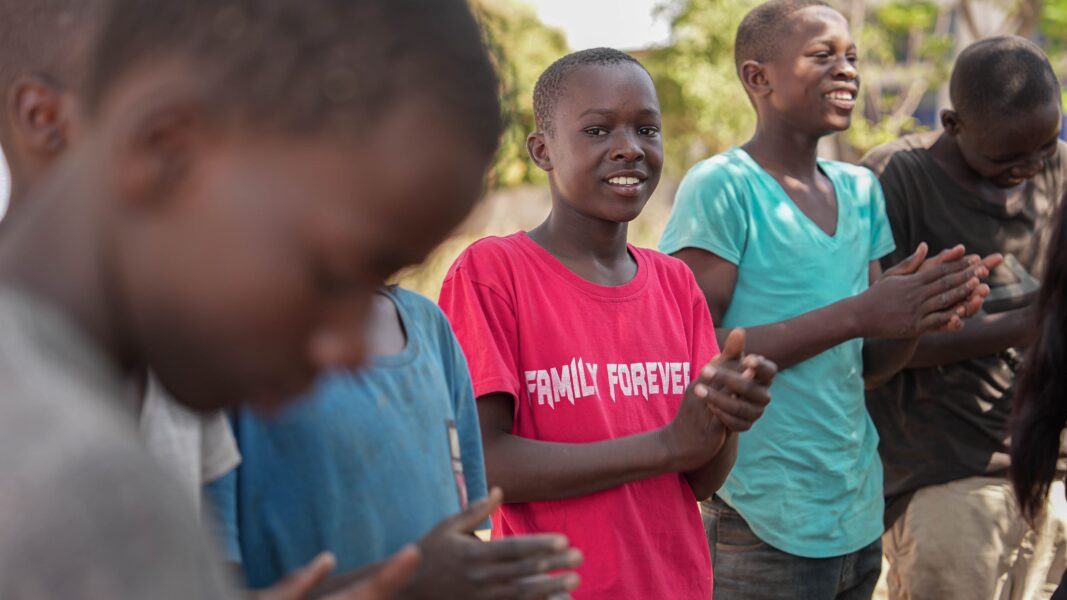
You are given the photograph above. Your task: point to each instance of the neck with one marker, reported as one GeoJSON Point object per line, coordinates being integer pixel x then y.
{"type": "Point", "coordinates": [947, 153]}
{"type": "Point", "coordinates": [568, 234]}
{"type": "Point", "coordinates": [783, 151]}
{"type": "Point", "coordinates": [54, 249]}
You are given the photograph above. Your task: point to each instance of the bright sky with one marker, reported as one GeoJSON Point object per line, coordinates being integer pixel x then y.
{"type": "Point", "coordinates": [624, 24]}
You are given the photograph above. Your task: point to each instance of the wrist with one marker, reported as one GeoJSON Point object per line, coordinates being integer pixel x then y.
{"type": "Point", "coordinates": [666, 454]}
{"type": "Point", "coordinates": [851, 316]}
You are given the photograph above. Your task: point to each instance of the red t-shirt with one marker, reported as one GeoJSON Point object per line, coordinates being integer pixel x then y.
{"type": "Point", "coordinates": [586, 363]}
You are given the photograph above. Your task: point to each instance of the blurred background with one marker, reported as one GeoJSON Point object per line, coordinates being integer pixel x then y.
{"type": "Point", "coordinates": [906, 52]}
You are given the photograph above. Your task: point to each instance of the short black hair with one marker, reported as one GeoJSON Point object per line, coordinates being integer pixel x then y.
{"type": "Point", "coordinates": [761, 31]}
{"type": "Point", "coordinates": [36, 38]}
{"type": "Point", "coordinates": [309, 66]}
{"type": "Point", "coordinates": [552, 82]}
{"type": "Point", "coordinates": [1002, 76]}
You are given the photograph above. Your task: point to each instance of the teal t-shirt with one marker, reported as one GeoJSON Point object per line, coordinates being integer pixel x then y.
{"type": "Point", "coordinates": [808, 479]}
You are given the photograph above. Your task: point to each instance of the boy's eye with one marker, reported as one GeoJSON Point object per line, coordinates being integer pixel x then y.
{"type": "Point", "coordinates": [822, 55]}
{"type": "Point", "coordinates": [649, 131]}
{"type": "Point", "coordinates": [597, 131]}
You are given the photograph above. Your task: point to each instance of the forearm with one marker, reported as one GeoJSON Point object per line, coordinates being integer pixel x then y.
{"type": "Point", "coordinates": [983, 335]}
{"type": "Point", "coordinates": [882, 359]}
{"type": "Point", "coordinates": [531, 470]}
{"type": "Point", "coordinates": [707, 479]}
{"type": "Point", "coordinates": [787, 343]}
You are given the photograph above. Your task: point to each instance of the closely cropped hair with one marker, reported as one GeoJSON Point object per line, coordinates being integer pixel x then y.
{"type": "Point", "coordinates": [1039, 408]}
{"type": "Point", "coordinates": [309, 65]}
{"type": "Point", "coordinates": [35, 37]}
{"type": "Point", "coordinates": [761, 31]}
{"type": "Point", "coordinates": [1002, 75]}
{"type": "Point", "coordinates": [552, 82]}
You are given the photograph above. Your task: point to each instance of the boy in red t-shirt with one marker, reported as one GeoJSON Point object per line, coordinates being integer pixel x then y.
{"type": "Point", "coordinates": [582, 349]}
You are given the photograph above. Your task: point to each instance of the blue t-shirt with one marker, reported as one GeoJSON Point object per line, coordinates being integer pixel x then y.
{"type": "Point", "coordinates": [361, 467]}
{"type": "Point", "coordinates": [807, 478]}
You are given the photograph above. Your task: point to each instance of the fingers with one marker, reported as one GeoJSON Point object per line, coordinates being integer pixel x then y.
{"type": "Point", "coordinates": [733, 349]}
{"type": "Point", "coordinates": [388, 581]}
{"type": "Point", "coordinates": [297, 585]}
{"type": "Point", "coordinates": [519, 548]}
{"type": "Point", "coordinates": [737, 384]}
{"type": "Point", "coordinates": [910, 264]}
{"type": "Point", "coordinates": [536, 587]}
{"type": "Point", "coordinates": [759, 368]}
{"type": "Point", "coordinates": [972, 305]}
{"type": "Point", "coordinates": [993, 261]}
{"type": "Point", "coordinates": [472, 518]}
{"type": "Point", "coordinates": [735, 413]}
{"type": "Point", "coordinates": [735, 397]}
{"type": "Point", "coordinates": [937, 274]}
{"type": "Point", "coordinates": [956, 295]}
{"type": "Point", "coordinates": [945, 321]}
{"type": "Point", "coordinates": [948, 255]}
{"type": "Point", "coordinates": [537, 565]}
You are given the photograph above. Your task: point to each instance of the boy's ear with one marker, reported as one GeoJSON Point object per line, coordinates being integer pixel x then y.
{"type": "Point", "coordinates": [538, 148]}
{"type": "Point", "coordinates": [950, 120]}
{"type": "Point", "coordinates": [41, 119]}
{"type": "Point", "coordinates": [754, 78]}
{"type": "Point", "coordinates": [157, 150]}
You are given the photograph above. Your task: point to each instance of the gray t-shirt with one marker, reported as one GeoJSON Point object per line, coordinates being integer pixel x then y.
{"type": "Point", "coordinates": [84, 510]}
{"type": "Point", "coordinates": [196, 449]}
{"type": "Point", "coordinates": [949, 422]}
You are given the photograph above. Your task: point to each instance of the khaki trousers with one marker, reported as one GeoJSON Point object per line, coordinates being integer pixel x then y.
{"type": "Point", "coordinates": [966, 540]}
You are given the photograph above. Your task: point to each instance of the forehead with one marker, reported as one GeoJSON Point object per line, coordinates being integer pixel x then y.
{"type": "Point", "coordinates": [1022, 132]}
{"type": "Point", "coordinates": [620, 88]}
{"type": "Point", "coordinates": [813, 24]}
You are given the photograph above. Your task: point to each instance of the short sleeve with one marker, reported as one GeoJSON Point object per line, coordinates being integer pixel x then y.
{"type": "Point", "coordinates": [705, 345]}
{"type": "Point", "coordinates": [219, 454]}
{"type": "Point", "coordinates": [896, 209]}
{"type": "Point", "coordinates": [485, 325]}
{"type": "Point", "coordinates": [465, 410]}
{"type": "Point", "coordinates": [708, 213]}
{"type": "Point", "coordinates": [220, 497]}
{"type": "Point", "coordinates": [882, 242]}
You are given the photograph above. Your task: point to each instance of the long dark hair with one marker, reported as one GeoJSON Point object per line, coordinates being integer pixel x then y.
{"type": "Point", "coordinates": [1040, 404]}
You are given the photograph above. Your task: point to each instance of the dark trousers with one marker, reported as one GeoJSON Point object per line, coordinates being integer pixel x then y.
{"type": "Point", "coordinates": [747, 568]}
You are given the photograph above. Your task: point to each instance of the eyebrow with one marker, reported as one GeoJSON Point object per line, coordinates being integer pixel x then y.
{"type": "Point", "coordinates": [607, 112]}
{"type": "Point", "coordinates": [831, 42]}
{"type": "Point", "coordinates": [1007, 157]}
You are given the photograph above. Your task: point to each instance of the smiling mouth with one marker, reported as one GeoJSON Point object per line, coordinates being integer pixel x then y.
{"type": "Point", "coordinates": [624, 180]}
{"type": "Point", "coordinates": [843, 99]}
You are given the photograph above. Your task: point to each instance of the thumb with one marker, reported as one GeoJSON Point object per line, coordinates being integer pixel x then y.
{"type": "Point", "coordinates": [388, 581]}
{"type": "Point", "coordinates": [733, 349]}
{"type": "Point", "coordinates": [912, 263]}
{"type": "Point", "coordinates": [297, 585]}
{"type": "Point", "coordinates": [475, 514]}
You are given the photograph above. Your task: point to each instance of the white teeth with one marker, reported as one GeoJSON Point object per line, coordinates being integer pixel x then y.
{"type": "Point", "coordinates": [840, 95]}
{"type": "Point", "coordinates": [624, 180]}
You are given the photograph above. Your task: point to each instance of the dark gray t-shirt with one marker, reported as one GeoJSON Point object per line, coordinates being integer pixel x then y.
{"type": "Point", "coordinates": [950, 422]}
{"type": "Point", "coordinates": [84, 510]}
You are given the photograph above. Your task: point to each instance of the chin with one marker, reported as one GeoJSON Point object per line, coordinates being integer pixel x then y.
{"type": "Point", "coordinates": [838, 124]}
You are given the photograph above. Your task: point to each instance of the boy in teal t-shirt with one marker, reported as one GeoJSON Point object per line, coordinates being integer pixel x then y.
{"type": "Point", "coordinates": [787, 245]}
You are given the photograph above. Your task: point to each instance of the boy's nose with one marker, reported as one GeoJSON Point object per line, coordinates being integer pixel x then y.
{"type": "Point", "coordinates": [1026, 170]}
{"type": "Point", "coordinates": [628, 150]}
{"type": "Point", "coordinates": [845, 69]}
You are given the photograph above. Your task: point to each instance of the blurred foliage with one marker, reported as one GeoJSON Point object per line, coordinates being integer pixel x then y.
{"type": "Point", "coordinates": [906, 49]}
{"type": "Point", "coordinates": [705, 106]}
{"type": "Point", "coordinates": [523, 46]}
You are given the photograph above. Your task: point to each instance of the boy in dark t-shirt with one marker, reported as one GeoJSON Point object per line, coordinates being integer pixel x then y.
{"type": "Point", "coordinates": [989, 181]}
